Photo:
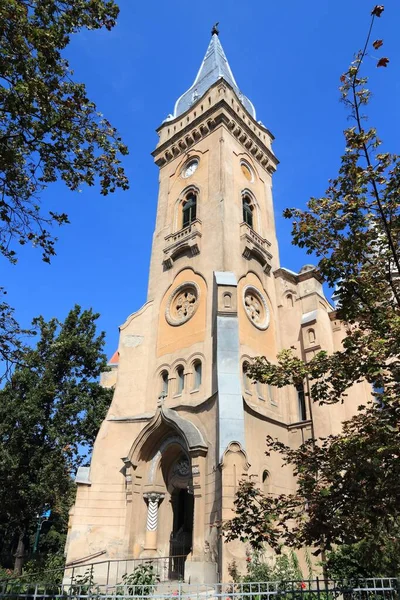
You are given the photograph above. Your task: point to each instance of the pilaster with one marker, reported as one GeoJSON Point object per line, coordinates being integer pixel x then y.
{"type": "Point", "coordinates": [230, 400]}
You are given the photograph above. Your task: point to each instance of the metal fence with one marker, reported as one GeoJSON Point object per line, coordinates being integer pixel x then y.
{"type": "Point", "coordinates": [109, 573]}
{"type": "Point", "coordinates": [106, 573]}
{"type": "Point", "coordinates": [316, 589]}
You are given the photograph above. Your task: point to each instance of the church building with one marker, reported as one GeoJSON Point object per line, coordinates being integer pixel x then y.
{"type": "Point", "coordinates": [186, 424]}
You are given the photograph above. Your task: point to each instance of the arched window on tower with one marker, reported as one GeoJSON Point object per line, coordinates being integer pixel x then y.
{"type": "Point", "coordinates": [301, 399]}
{"type": "Point", "coordinates": [164, 383]}
{"type": "Point", "coordinates": [265, 481]}
{"type": "Point", "coordinates": [197, 374]}
{"type": "Point", "coordinates": [246, 378]}
{"type": "Point", "coordinates": [272, 395]}
{"type": "Point", "coordinates": [260, 390]}
{"type": "Point", "coordinates": [180, 380]}
{"type": "Point", "coordinates": [247, 211]}
{"type": "Point", "coordinates": [189, 208]}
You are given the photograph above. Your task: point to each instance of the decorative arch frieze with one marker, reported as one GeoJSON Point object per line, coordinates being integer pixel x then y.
{"type": "Point", "coordinates": [200, 127]}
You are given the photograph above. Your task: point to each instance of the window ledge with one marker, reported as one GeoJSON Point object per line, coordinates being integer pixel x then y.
{"type": "Point", "coordinates": [186, 239]}
{"type": "Point", "coordinates": [255, 247]}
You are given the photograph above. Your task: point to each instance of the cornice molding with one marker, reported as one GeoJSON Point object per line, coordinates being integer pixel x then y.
{"type": "Point", "coordinates": [217, 84]}
{"type": "Point", "coordinates": [220, 113]}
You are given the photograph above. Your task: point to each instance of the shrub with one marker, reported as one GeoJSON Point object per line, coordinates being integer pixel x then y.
{"type": "Point", "coordinates": [141, 582]}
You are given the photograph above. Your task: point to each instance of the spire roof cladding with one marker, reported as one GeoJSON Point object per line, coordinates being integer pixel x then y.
{"type": "Point", "coordinates": [214, 66]}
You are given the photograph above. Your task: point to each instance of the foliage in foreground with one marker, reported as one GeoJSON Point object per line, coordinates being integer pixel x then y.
{"type": "Point", "coordinates": [49, 130]}
{"type": "Point", "coordinates": [50, 412]}
{"type": "Point", "coordinates": [141, 582]}
{"type": "Point", "coordinates": [369, 557]}
{"type": "Point", "coordinates": [284, 568]}
{"type": "Point", "coordinates": [348, 490]}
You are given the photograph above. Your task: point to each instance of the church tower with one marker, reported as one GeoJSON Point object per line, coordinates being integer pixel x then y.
{"type": "Point", "coordinates": [186, 424]}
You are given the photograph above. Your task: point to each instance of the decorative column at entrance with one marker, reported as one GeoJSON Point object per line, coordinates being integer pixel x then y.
{"type": "Point", "coordinates": [153, 500]}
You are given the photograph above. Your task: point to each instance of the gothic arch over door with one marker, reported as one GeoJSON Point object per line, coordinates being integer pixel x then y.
{"type": "Point", "coordinates": [160, 478]}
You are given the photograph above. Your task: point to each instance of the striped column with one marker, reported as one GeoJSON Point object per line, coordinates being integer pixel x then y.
{"type": "Point", "coordinates": [153, 500]}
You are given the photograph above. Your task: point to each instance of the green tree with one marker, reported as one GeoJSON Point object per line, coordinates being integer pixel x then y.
{"type": "Point", "coordinates": [377, 557]}
{"type": "Point", "coordinates": [48, 562]}
{"type": "Point", "coordinates": [49, 129]}
{"type": "Point", "coordinates": [50, 412]}
{"type": "Point", "coordinates": [347, 494]}
{"type": "Point", "coordinates": [12, 337]}
{"type": "Point", "coordinates": [347, 485]}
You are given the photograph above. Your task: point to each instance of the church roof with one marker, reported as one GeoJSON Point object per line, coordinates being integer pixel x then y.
{"type": "Point", "coordinates": [214, 66]}
{"type": "Point", "coordinates": [114, 360]}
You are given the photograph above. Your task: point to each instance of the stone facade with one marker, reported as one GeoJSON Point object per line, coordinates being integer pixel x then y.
{"type": "Point", "coordinates": [185, 424]}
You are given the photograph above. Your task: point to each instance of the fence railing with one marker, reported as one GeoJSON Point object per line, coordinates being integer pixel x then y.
{"type": "Point", "coordinates": [106, 573]}
{"type": "Point", "coordinates": [110, 572]}
{"type": "Point", "coordinates": [316, 589]}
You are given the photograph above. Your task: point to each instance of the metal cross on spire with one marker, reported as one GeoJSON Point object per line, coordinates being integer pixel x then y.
{"type": "Point", "coordinates": [215, 29]}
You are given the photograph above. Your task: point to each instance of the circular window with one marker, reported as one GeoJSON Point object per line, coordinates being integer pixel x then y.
{"type": "Point", "coordinates": [182, 303]}
{"type": "Point", "coordinates": [247, 170]}
{"type": "Point", "coordinates": [256, 307]}
{"type": "Point", "coordinates": [190, 167]}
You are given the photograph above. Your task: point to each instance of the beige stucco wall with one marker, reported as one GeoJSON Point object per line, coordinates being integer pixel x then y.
{"type": "Point", "coordinates": [173, 339]}
{"type": "Point", "coordinates": [140, 442]}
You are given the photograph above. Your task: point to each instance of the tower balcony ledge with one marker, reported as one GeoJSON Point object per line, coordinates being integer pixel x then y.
{"type": "Point", "coordinates": [255, 247]}
{"type": "Point", "coordinates": [185, 241]}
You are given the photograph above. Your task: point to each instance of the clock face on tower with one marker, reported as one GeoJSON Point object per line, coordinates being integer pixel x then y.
{"type": "Point", "coordinates": [190, 168]}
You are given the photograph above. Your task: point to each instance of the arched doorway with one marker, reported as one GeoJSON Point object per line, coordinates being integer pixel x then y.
{"type": "Point", "coordinates": [180, 487]}
{"type": "Point", "coordinates": [160, 486]}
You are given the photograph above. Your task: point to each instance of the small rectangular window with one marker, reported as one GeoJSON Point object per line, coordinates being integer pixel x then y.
{"type": "Point", "coordinates": [301, 403]}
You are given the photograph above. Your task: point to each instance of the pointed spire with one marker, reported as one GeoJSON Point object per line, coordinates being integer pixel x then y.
{"type": "Point", "coordinates": [214, 66]}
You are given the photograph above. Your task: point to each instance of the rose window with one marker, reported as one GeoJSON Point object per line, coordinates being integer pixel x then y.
{"type": "Point", "coordinates": [183, 303]}
{"type": "Point", "coordinates": [256, 307]}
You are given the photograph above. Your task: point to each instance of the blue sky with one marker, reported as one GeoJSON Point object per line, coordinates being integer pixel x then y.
{"type": "Point", "coordinates": [287, 57]}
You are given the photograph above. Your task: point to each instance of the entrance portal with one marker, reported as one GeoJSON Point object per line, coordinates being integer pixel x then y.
{"type": "Point", "coordinates": [182, 531]}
